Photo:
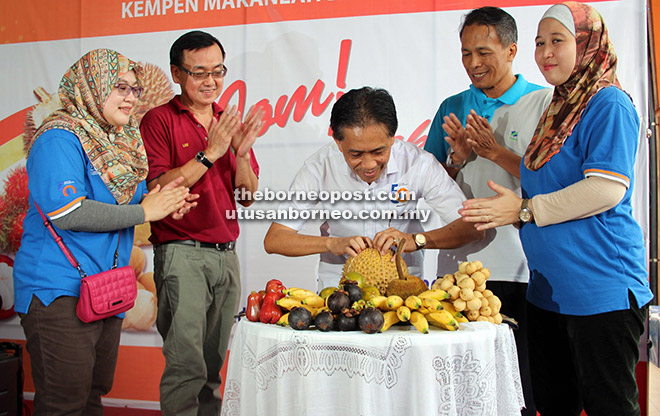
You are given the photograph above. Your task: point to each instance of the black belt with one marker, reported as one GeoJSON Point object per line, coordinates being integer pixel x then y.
{"type": "Point", "coordinates": [228, 246]}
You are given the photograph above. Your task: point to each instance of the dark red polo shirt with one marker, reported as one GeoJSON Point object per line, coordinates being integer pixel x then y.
{"type": "Point", "coordinates": [172, 137]}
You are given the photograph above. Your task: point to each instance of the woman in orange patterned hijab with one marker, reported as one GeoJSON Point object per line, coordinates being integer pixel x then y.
{"type": "Point", "coordinates": [116, 151]}
{"type": "Point", "coordinates": [86, 172]}
{"type": "Point", "coordinates": [588, 291]}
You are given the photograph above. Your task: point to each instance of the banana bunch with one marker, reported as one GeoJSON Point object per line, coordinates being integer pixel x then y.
{"type": "Point", "coordinates": [468, 294]}
{"type": "Point", "coordinates": [431, 307]}
{"type": "Point", "coordinates": [297, 297]}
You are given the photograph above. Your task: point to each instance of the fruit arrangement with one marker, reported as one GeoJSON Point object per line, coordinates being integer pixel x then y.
{"type": "Point", "coordinates": [468, 294]}
{"type": "Point", "coordinates": [351, 306]}
{"type": "Point", "coordinates": [374, 302]}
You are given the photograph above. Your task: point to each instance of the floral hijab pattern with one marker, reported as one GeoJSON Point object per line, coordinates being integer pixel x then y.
{"type": "Point", "coordinates": [595, 68]}
{"type": "Point", "coordinates": [118, 155]}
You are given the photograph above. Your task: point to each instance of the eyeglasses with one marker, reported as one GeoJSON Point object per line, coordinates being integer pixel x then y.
{"type": "Point", "coordinates": [125, 89]}
{"type": "Point", "coordinates": [220, 73]}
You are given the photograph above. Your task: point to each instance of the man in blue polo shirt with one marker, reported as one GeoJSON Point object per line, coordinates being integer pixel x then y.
{"type": "Point", "coordinates": [481, 134]}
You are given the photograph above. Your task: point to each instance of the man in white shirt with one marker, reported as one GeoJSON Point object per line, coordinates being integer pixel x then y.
{"type": "Point", "coordinates": [381, 181]}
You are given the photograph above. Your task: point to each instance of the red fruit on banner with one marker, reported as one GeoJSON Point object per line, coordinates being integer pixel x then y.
{"type": "Point", "coordinates": [13, 207]}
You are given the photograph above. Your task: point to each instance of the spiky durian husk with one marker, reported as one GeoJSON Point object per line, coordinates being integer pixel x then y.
{"type": "Point", "coordinates": [33, 119]}
{"type": "Point", "coordinates": [158, 90]}
{"type": "Point", "coordinates": [377, 270]}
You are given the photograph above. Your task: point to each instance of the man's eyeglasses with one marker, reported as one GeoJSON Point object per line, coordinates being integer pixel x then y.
{"type": "Point", "coordinates": [220, 73]}
{"type": "Point", "coordinates": [125, 89]}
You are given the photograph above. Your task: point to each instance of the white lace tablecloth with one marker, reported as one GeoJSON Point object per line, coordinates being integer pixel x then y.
{"type": "Point", "coordinates": [279, 371]}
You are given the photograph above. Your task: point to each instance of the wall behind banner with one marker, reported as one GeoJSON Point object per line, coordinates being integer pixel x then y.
{"type": "Point", "coordinates": [298, 67]}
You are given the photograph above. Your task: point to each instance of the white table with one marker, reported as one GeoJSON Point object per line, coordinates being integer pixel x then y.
{"type": "Point", "coordinates": [279, 371]}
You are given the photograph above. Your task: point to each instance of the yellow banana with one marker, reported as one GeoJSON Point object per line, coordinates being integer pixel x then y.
{"type": "Point", "coordinates": [449, 307]}
{"type": "Point", "coordinates": [389, 319]}
{"type": "Point", "coordinates": [315, 301]}
{"type": "Point", "coordinates": [424, 310]}
{"type": "Point", "coordinates": [403, 312]}
{"type": "Point", "coordinates": [288, 303]}
{"type": "Point", "coordinates": [393, 302]}
{"type": "Point", "coordinates": [413, 302]}
{"type": "Point", "coordinates": [442, 319]}
{"type": "Point", "coordinates": [314, 310]}
{"type": "Point", "coordinates": [379, 302]}
{"type": "Point", "coordinates": [438, 294]}
{"type": "Point", "coordinates": [432, 304]}
{"type": "Point", "coordinates": [284, 320]}
{"type": "Point", "coordinates": [419, 321]}
{"type": "Point", "coordinates": [298, 293]}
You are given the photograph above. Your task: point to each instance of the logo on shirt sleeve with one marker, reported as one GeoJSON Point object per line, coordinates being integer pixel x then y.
{"type": "Point", "coordinates": [67, 188]}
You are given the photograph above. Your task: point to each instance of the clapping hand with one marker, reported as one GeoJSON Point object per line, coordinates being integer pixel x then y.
{"type": "Point", "coordinates": [480, 136]}
{"type": "Point", "coordinates": [222, 132]}
{"type": "Point", "coordinates": [246, 136]}
{"type": "Point", "coordinates": [457, 138]}
{"type": "Point", "coordinates": [161, 202]}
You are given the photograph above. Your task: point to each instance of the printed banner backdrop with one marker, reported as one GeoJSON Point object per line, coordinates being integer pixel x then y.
{"type": "Point", "coordinates": [293, 57]}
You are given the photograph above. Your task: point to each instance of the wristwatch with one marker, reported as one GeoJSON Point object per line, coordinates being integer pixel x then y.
{"type": "Point", "coordinates": [525, 214]}
{"type": "Point", "coordinates": [201, 158]}
{"type": "Point", "coordinates": [450, 164]}
{"type": "Point", "coordinates": [420, 240]}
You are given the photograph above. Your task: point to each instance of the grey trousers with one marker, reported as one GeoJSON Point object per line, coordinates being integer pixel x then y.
{"type": "Point", "coordinates": [198, 293]}
{"type": "Point", "coordinates": [73, 363]}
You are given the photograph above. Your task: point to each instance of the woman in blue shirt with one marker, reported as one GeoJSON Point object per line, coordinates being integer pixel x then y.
{"type": "Point", "coordinates": [86, 172]}
{"type": "Point", "coordinates": [588, 290]}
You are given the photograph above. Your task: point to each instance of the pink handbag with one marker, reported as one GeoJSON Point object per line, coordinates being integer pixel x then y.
{"type": "Point", "coordinates": [104, 294]}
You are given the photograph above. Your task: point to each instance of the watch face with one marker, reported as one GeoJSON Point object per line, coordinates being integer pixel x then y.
{"type": "Point", "coordinates": [420, 240]}
{"type": "Point", "coordinates": [525, 215]}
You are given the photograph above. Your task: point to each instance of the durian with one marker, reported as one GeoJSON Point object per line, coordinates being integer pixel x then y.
{"type": "Point", "coordinates": [377, 270]}
{"type": "Point", "coordinates": [405, 284]}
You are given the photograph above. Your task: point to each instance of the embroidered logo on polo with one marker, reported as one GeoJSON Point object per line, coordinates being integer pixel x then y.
{"type": "Point", "coordinates": [67, 188]}
{"type": "Point", "coordinates": [513, 135]}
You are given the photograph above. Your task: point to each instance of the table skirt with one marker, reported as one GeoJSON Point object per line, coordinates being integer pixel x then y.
{"type": "Point", "coordinates": [276, 370]}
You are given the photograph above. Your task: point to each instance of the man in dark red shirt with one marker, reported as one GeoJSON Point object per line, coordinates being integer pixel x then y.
{"type": "Point", "coordinates": [195, 264]}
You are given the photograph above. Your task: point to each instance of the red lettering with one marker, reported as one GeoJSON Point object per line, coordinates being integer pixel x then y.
{"type": "Point", "coordinates": [416, 136]}
{"type": "Point", "coordinates": [301, 101]}
{"type": "Point", "coordinates": [342, 70]}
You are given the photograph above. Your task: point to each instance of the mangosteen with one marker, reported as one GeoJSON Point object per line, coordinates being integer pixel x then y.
{"type": "Point", "coordinates": [324, 321]}
{"type": "Point", "coordinates": [300, 318]}
{"type": "Point", "coordinates": [354, 292]}
{"type": "Point", "coordinates": [371, 320]}
{"type": "Point", "coordinates": [337, 301]}
{"type": "Point", "coordinates": [347, 320]}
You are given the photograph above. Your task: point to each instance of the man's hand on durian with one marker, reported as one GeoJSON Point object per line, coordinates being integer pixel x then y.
{"type": "Point", "coordinates": [385, 239]}
{"type": "Point", "coordinates": [348, 245]}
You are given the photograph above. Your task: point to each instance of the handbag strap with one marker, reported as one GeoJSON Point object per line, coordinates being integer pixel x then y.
{"type": "Point", "coordinates": [69, 255]}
